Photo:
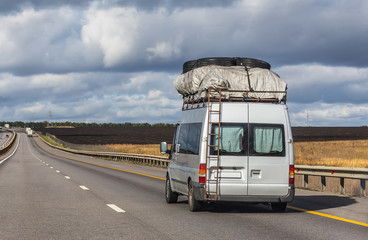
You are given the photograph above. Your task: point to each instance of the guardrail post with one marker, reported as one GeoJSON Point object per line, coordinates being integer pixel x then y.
{"type": "Point", "coordinates": [362, 188]}
{"type": "Point", "coordinates": [323, 182]}
{"type": "Point", "coordinates": [305, 181]}
{"type": "Point", "coordinates": [342, 185]}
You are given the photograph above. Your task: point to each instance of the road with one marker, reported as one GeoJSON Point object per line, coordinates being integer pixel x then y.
{"type": "Point", "coordinates": [49, 194]}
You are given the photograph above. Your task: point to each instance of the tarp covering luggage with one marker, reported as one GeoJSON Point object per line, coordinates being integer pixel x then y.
{"type": "Point", "coordinates": [194, 84]}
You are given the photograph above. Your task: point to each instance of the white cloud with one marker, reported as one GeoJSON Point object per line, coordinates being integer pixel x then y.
{"type": "Point", "coordinates": [322, 114]}
{"type": "Point", "coordinates": [163, 50]}
{"type": "Point", "coordinates": [309, 74]}
{"type": "Point", "coordinates": [311, 83]}
{"type": "Point", "coordinates": [37, 38]}
{"type": "Point", "coordinates": [114, 31]}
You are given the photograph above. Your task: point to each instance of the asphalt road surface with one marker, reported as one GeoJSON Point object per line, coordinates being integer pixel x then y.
{"type": "Point", "coordinates": [49, 194]}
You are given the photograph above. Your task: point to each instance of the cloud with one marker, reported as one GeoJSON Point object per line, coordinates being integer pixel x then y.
{"type": "Point", "coordinates": [322, 114]}
{"type": "Point", "coordinates": [311, 82]}
{"type": "Point", "coordinates": [113, 31]}
{"type": "Point", "coordinates": [145, 5]}
{"type": "Point", "coordinates": [94, 97]}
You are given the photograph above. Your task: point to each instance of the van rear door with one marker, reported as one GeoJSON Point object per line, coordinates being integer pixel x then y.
{"type": "Point", "coordinates": [268, 170]}
{"type": "Point", "coordinates": [233, 159]}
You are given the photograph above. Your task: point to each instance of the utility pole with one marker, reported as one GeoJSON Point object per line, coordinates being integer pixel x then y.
{"type": "Point", "coordinates": [307, 118]}
{"type": "Point", "coordinates": [50, 118]}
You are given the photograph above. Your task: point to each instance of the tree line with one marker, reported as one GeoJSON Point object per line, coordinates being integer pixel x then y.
{"type": "Point", "coordinates": [37, 125]}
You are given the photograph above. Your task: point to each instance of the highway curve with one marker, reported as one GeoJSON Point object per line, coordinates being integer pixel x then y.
{"type": "Point", "coordinates": [49, 194]}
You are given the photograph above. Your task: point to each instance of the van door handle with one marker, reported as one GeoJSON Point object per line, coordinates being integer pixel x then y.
{"type": "Point", "coordinates": [255, 173]}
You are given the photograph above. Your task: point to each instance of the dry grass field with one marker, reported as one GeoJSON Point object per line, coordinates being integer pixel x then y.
{"type": "Point", "coordinates": [352, 153]}
{"type": "Point", "coordinates": [144, 149]}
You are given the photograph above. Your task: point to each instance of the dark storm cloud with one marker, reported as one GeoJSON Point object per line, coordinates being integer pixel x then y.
{"type": "Point", "coordinates": [7, 6]}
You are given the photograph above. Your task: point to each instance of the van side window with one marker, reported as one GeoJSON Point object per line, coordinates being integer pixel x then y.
{"type": "Point", "coordinates": [233, 139]}
{"type": "Point", "coordinates": [189, 138]}
{"type": "Point", "coordinates": [267, 140]}
{"type": "Point", "coordinates": [175, 139]}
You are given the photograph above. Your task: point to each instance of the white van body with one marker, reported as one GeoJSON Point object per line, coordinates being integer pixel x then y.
{"type": "Point", "coordinates": [29, 132]}
{"type": "Point", "coordinates": [255, 161]}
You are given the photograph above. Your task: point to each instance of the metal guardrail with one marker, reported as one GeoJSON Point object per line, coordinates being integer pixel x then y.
{"type": "Point", "coordinates": [342, 173]}
{"type": "Point", "coordinates": [135, 158]}
{"type": "Point", "coordinates": [304, 170]}
{"type": "Point", "coordinates": [9, 143]}
{"type": "Point", "coordinates": [14, 150]}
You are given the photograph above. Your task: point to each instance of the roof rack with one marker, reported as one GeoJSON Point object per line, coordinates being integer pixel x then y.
{"type": "Point", "coordinates": [190, 102]}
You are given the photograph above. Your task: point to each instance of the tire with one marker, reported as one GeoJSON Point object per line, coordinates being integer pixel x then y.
{"type": "Point", "coordinates": [194, 205]}
{"type": "Point", "coordinates": [171, 197]}
{"type": "Point", "coordinates": [220, 61]}
{"type": "Point", "coordinates": [190, 65]}
{"type": "Point", "coordinates": [226, 62]}
{"type": "Point", "coordinates": [278, 207]}
{"type": "Point", "coordinates": [252, 63]}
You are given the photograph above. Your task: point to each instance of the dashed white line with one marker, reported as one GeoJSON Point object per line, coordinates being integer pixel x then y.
{"type": "Point", "coordinates": [84, 187]}
{"type": "Point", "coordinates": [67, 177]}
{"type": "Point", "coordinates": [57, 171]}
{"type": "Point", "coordinates": [51, 167]}
{"type": "Point", "coordinates": [116, 208]}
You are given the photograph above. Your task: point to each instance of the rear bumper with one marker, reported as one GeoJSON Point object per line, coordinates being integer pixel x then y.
{"type": "Point", "coordinates": [289, 197]}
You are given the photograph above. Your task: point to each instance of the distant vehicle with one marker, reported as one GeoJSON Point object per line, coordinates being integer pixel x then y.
{"type": "Point", "coordinates": [232, 149]}
{"type": "Point", "coordinates": [29, 132]}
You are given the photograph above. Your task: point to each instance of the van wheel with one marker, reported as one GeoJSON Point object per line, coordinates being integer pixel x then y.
{"type": "Point", "coordinates": [194, 205]}
{"type": "Point", "coordinates": [278, 207]}
{"type": "Point", "coordinates": [171, 197]}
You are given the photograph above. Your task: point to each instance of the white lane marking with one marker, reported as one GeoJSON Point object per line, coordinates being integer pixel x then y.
{"type": "Point", "coordinates": [57, 171]}
{"type": "Point", "coordinates": [47, 164]}
{"type": "Point", "coordinates": [67, 177]}
{"type": "Point", "coordinates": [116, 208]}
{"type": "Point", "coordinates": [51, 167]}
{"type": "Point", "coordinates": [84, 187]}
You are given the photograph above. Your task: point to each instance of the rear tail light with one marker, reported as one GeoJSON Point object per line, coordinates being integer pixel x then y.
{"type": "Point", "coordinates": [202, 173]}
{"type": "Point", "coordinates": [291, 174]}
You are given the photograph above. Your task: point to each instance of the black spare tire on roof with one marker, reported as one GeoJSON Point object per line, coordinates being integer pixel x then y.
{"type": "Point", "coordinates": [252, 63]}
{"type": "Point", "coordinates": [225, 61]}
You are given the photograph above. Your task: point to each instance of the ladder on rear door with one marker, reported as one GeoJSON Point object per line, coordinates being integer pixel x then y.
{"type": "Point", "coordinates": [213, 161]}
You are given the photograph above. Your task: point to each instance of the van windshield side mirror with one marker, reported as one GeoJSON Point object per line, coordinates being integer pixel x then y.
{"type": "Point", "coordinates": [163, 148]}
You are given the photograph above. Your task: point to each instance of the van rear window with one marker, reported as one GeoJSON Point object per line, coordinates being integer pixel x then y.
{"type": "Point", "coordinates": [233, 139]}
{"type": "Point", "coordinates": [267, 140]}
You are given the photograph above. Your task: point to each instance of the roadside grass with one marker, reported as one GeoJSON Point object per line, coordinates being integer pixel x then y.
{"type": "Point", "coordinates": [352, 153]}
{"type": "Point", "coordinates": [144, 149]}
{"type": "Point", "coordinates": [49, 140]}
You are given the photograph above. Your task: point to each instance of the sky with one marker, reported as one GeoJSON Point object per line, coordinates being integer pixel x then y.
{"type": "Point", "coordinates": [116, 61]}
